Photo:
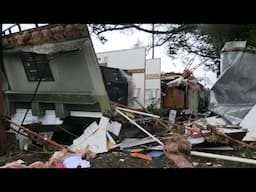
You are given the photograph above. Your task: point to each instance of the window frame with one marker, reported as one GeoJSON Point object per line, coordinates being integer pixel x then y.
{"type": "Point", "coordinates": [36, 61]}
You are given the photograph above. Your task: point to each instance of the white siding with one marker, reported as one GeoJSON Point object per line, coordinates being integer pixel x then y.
{"type": "Point", "coordinates": [153, 82]}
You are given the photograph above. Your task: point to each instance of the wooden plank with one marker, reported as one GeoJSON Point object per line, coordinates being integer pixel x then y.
{"type": "Point", "coordinates": [174, 99]}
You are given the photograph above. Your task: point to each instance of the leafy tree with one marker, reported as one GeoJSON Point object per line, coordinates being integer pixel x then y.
{"type": "Point", "coordinates": [203, 40]}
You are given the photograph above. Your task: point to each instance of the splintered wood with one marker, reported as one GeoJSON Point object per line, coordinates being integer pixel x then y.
{"type": "Point", "coordinates": [36, 135]}
{"type": "Point", "coordinates": [175, 149]}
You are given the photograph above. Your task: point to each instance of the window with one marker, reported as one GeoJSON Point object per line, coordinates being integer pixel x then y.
{"type": "Point", "coordinates": [36, 67]}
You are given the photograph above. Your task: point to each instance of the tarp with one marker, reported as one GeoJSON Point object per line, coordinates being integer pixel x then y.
{"type": "Point", "coordinates": [234, 93]}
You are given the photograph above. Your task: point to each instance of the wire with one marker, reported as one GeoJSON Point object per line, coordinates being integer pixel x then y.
{"type": "Point", "coordinates": [40, 73]}
{"type": "Point", "coordinates": [32, 99]}
{"type": "Point", "coordinates": [76, 136]}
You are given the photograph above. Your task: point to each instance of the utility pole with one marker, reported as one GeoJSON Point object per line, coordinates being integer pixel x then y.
{"type": "Point", "coordinates": [153, 40]}
{"type": "Point", "coordinates": [2, 128]}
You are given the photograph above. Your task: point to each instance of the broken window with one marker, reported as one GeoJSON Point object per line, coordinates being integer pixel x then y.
{"type": "Point", "coordinates": [36, 67]}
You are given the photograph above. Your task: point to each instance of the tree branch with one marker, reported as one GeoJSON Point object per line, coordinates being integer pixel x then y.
{"type": "Point", "coordinates": [180, 28]}
{"type": "Point", "coordinates": [114, 29]}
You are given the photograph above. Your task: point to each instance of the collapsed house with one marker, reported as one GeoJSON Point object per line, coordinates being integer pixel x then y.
{"type": "Point", "coordinates": [52, 78]}
{"type": "Point", "coordinates": [183, 93]}
{"type": "Point", "coordinates": [51, 73]}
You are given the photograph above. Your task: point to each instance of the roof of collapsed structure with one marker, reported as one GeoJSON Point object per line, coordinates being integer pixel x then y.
{"type": "Point", "coordinates": [170, 76]}
{"type": "Point", "coordinates": [51, 33]}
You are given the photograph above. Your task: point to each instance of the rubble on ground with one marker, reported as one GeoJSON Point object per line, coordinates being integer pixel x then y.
{"type": "Point", "coordinates": [176, 135]}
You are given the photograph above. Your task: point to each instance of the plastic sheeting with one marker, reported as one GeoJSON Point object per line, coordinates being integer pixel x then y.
{"type": "Point", "coordinates": [75, 161]}
{"type": "Point", "coordinates": [234, 93]}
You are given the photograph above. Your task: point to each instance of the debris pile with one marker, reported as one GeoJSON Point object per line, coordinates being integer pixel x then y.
{"type": "Point", "coordinates": [184, 127]}
{"type": "Point", "coordinates": [175, 149]}
{"type": "Point", "coordinates": [143, 135]}
{"type": "Point", "coordinates": [183, 91]}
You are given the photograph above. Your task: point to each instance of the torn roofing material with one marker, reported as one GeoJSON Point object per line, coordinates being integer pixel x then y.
{"type": "Point", "coordinates": [51, 33]}
{"type": "Point", "coordinates": [234, 93]}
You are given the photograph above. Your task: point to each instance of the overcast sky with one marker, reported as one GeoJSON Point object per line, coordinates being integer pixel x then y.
{"type": "Point", "coordinates": [125, 40]}
{"type": "Point", "coordinates": [120, 40]}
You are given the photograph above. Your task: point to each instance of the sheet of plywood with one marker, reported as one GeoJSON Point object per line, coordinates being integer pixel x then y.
{"type": "Point", "coordinates": [174, 98]}
{"type": "Point", "coordinates": [94, 136]}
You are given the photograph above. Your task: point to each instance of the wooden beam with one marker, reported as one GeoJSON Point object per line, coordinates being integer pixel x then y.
{"type": "Point", "coordinates": [38, 136]}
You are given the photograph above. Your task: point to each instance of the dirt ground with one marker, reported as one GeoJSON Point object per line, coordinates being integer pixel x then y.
{"type": "Point", "coordinates": [123, 160]}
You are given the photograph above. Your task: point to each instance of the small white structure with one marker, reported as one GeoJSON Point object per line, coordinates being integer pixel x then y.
{"type": "Point", "coordinates": [145, 74]}
{"type": "Point", "coordinates": [153, 82]}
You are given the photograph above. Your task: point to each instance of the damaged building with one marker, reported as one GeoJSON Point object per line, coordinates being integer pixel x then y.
{"type": "Point", "coordinates": [51, 74]}
{"type": "Point", "coordinates": [180, 92]}
{"type": "Point", "coordinates": [74, 105]}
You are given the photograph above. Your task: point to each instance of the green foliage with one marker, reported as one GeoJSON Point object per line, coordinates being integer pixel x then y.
{"type": "Point", "coordinates": [252, 36]}
{"type": "Point", "coordinates": [153, 107]}
{"type": "Point", "coordinates": [204, 40]}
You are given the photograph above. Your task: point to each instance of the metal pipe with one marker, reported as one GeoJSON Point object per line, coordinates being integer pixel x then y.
{"type": "Point", "coordinates": [141, 128]}
{"type": "Point", "coordinates": [224, 157]}
{"type": "Point", "coordinates": [153, 41]}
{"type": "Point", "coordinates": [138, 112]}
{"type": "Point", "coordinates": [76, 136]}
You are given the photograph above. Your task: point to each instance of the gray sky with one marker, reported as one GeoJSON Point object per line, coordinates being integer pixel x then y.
{"type": "Point", "coordinates": [118, 40]}
{"type": "Point", "coordinates": [125, 40]}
